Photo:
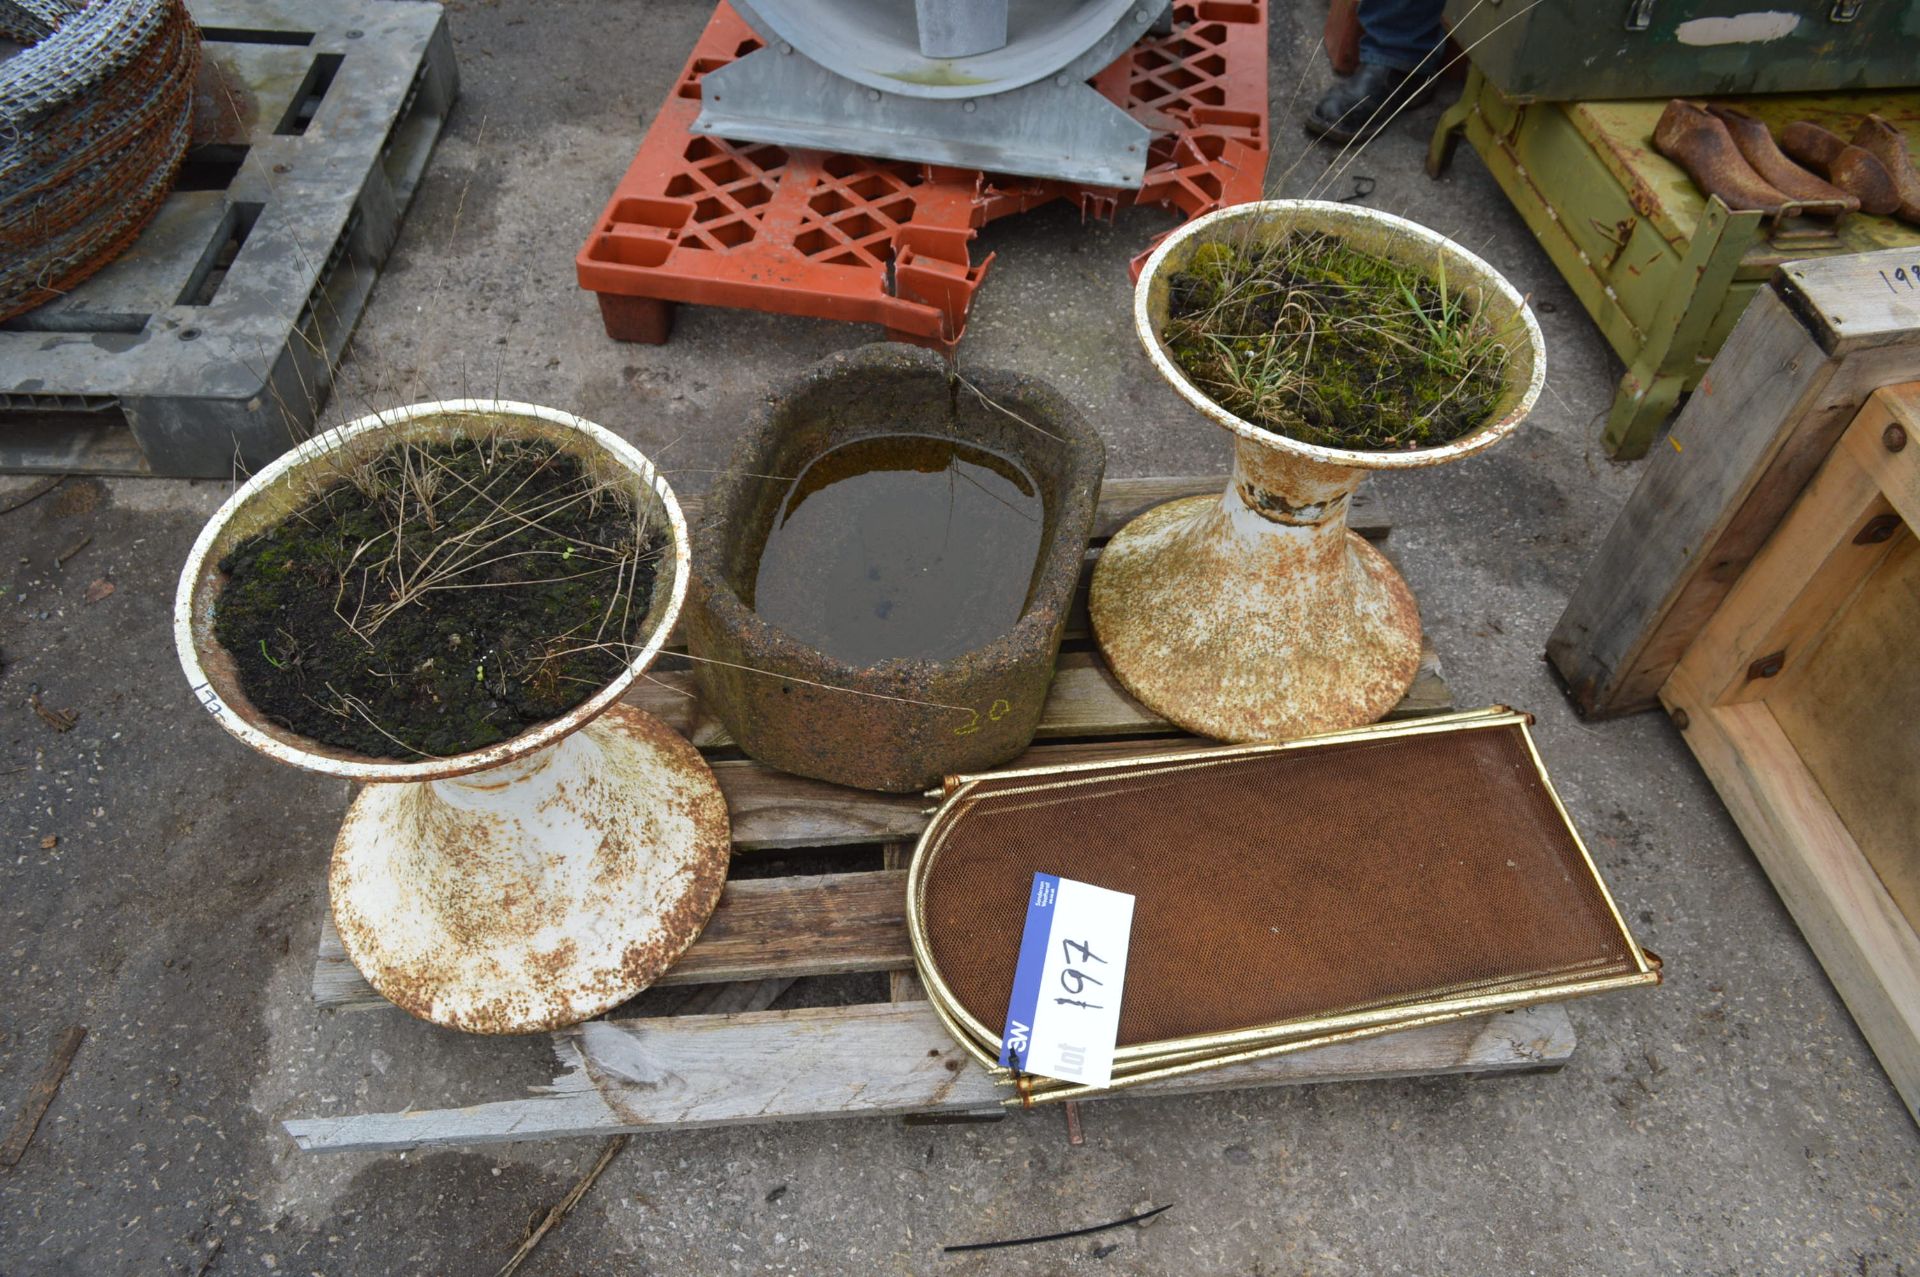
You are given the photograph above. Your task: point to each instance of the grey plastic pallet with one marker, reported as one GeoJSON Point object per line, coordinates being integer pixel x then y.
{"type": "Point", "coordinates": [210, 344]}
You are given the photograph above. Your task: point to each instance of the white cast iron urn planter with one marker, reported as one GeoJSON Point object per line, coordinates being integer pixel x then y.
{"type": "Point", "coordinates": [1257, 615]}
{"type": "Point", "coordinates": [533, 883]}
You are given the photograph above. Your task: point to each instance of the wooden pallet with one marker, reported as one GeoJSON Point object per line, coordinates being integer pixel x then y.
{"type": "Point", "coordinates": [723, 1057]}
{"type": "Point", "coordinates": [211, 342]}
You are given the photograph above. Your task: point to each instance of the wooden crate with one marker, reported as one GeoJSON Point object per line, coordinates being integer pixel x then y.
{"type": "Point", "coordinates": [721, 1056]}
{"type": "Point", "coordinates": [1816, 342]}
{"type": "Point", "coordinates": [1801, 699]}
{"type": "Point", "coordinates": [1664, 271]}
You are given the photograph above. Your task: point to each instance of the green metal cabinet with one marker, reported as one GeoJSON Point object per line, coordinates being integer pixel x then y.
{"type": "Point", "coordinates": [1566, 50]}
{"type": "Point", "coordinates": [1663, 271]}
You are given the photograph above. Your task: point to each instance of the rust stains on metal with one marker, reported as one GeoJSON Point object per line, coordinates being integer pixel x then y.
{"type": "Point", "coordinates": [519, 887]}
{"type": "Point", "coordinates": [523, 908]}
{"type": "Point", "coordinates": [1280, 508]}
{"type": "Point", "coordinates": [224, 108]}
{"type": "Point", "coordinates": [1258, 615]}
{"type": "Point", "coordinates": [1253, 637]}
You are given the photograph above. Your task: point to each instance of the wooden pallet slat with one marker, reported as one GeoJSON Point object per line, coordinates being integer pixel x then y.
{"type": "Point", "coordinates": [688, 1072]}
{"type": "Point", "coordinates": [763, 928]}
{"type": "Point", "coordinates": [1085, 700]}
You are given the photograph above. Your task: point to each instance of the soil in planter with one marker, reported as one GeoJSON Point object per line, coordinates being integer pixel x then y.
{"type": "Point", "coordinates": [901, 546]}
{"type": "Point", "coordinates": [440, 599]}
{"type": "Point", "coordinates": [1311, 338]}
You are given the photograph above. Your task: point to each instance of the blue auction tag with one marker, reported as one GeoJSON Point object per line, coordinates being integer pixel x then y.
{"type": "Point", "coordinates": [1064, 1015]}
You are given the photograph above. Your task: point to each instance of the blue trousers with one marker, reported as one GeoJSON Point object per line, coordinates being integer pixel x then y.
{"type": "Point", "coordinates": [1400, 33]}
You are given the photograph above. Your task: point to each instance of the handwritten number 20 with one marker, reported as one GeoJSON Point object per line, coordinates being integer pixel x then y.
{"type": "Point", "coordinates": [999, 710]}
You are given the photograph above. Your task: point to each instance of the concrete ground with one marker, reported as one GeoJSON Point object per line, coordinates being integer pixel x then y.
{"type": "Point", "coordinates": [163, 886]}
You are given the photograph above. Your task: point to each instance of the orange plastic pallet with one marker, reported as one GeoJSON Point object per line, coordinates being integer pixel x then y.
{"type": "Point", "coordinates": [716, 223]}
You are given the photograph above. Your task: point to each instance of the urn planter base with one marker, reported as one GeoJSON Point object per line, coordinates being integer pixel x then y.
{"type": "Point", "coordinates": [537, 893]}
{"type": "Point", "coordinates": [1246, 636]}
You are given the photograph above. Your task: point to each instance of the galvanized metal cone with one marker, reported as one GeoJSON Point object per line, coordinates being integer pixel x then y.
{"type": "Point", "coordinates": [1258, 615]}
{"type": "Point", "coordinates": [537, 893]}
{"type": "Point", "coordinates": [533, 883]}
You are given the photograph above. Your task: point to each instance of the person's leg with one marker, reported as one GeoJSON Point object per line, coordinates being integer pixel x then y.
{"type": "Point", "coordinates": [1401, 34]}
{"type": "Point", "coordinates": [1399, 57]}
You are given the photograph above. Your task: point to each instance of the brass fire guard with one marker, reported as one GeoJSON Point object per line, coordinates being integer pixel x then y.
{"type": "Point", "coordinates": [1288, 895]}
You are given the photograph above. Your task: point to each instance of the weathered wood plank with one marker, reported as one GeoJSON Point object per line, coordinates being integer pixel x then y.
{"type": "Point", "coordinates": [1798, 581]}
{"type": "Point", "coordinates": [1767, 375]}
{"type": "Point", "coordinates": [1085, 700]}
{"type": "Point", "coordinates": [1853, 301]}
{"type": "Point", "coordinates": [772, 809]}
{"type": "Point", "coordinates": [762, 929]}
{"type": "Point", "coordinates": [700, 1071]}
{"type": "Point", "coordinates": [1896, 469]}
{"type": "Point", "coordinates": [903, 984]}
{"type": "Point", "coordinates": [1869, 949]}
{"type": "Point", "coordinates": [1764, 418]}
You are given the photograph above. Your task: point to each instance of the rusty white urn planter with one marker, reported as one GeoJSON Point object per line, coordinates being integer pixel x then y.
{"type": "Point", "coordinates": [531, 884]}
{"type": "Point", "coordinates": [1258, 615]}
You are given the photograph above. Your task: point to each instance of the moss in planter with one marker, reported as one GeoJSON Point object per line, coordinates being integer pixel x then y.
{"type": "Point", "coordinates": [1308, 337]}
{"type": "Point", "coordinates": [439, 598]}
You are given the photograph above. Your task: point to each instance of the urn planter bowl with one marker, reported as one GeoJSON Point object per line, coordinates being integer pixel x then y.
{"type": "Point", "coordinates": [530, 884]}
{"type": "Point", "coordinates": [1257, 615]}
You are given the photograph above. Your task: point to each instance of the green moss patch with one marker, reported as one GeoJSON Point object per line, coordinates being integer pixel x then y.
{"type": "Point", "coordinates": [1309, 337]}
{"type": "Point", "coordinates": [439, 598]}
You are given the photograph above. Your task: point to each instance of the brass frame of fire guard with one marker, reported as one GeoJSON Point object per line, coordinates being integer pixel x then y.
{"type": "Point", "coordinates": [1176, 1057]}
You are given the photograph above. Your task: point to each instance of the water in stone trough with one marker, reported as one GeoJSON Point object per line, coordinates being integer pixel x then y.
{"type": "Point", "coordinates": [901, 546]}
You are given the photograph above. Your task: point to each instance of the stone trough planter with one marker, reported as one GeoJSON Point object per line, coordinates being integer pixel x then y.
{"type": "Point", "coordinates": [898, 724]}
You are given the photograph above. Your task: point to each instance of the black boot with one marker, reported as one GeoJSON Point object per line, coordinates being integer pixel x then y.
{"type": "Point", "coordinates": [1361, 104]}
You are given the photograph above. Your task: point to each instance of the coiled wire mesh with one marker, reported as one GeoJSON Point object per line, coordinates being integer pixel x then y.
{"type": "Point", "coordinates": [95, 115]}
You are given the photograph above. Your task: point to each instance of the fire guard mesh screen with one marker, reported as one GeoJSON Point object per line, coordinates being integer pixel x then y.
{"type": "Point", "coordinates": [1280, 886]}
